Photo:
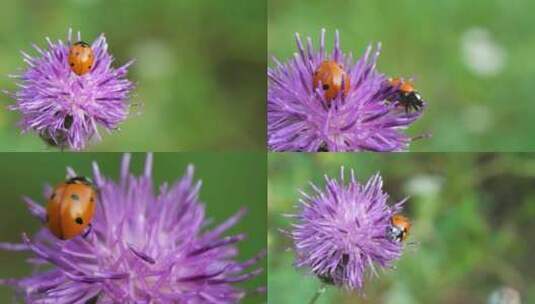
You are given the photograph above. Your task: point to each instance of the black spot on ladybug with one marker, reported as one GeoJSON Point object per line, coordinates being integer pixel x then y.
{"type": "Point", "coordinates": [79, 221]}
{"type": "Point", "coordinates": [325, 87]}
{"type": "Point", "coordinates": [53, 195]}
{"type": "Point", "coordinates": [92, 199]}
{"type": "Point", "coordinates": [72, 64]}
{"type": "Point", "coordinates": [89, 66]}
{"type": "Point", "coordinates": [75, 197]}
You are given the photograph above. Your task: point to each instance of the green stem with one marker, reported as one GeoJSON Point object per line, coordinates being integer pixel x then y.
{"type": "Point", "coordinates": [319, 292]}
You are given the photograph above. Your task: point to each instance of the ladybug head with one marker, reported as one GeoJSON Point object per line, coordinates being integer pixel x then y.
{"type": "Point", "coordinates": [82, 44]}
{"type": "Point", "coordinates": [80, 180]}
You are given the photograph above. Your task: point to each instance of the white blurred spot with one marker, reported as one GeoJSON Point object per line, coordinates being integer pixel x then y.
{"type": "Point", "coordinates": [154, 59]}
{"type": "Point", "coordinates": [481, 53]}
{"type": "Point", "coordinates": [424, 185]}
{"type": "Point", "coordinates": [504, 295]}
{"type": "Point", "coordinates": [477, 119]}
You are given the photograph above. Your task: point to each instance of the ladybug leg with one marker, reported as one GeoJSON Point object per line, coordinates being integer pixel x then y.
{"type": "Point", "coordinates": [419, 105]}
{"type": "Point", "coordinates": [88, 230]}
{"type": "Point", "coordinates": [415, 106]}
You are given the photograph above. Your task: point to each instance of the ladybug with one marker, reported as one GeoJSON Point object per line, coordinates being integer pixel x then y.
{"type": "Point", "coordinates": [407, 96]}
{"type": "Point", "coordinates": [81, 58]}
{"type": "Point", "coordinates": [399, 228]}
{"type": "Point", "coordinates": [70, 208]}
{"type": "Point", "coordinates": [332, 76]}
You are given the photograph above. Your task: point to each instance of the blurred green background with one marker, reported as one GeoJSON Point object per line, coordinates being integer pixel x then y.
{"type": "Point", "coordinates": [230, 181]}
{"type": "Point", "coordinates": [472, 217]}
{"type": "Point", "coordinates": [471, 60]}
{"type": "Point", "coordinates": [200, 68]}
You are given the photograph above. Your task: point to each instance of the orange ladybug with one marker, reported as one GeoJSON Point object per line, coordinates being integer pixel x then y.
{"type": "Point", "coordinates": [81, 58]}
{"type": "Point", "coordinates": [332, 76]}
{"type": "Point", "coordinates": [407, 97]}
{"type": "Point", "coordinates": [399, 228]}
{"type": "Point", "coordinates": [71, 207]}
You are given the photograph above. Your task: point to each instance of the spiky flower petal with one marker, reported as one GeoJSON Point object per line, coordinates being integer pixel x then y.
{"type": "Point", "coordinates": [64, 108]}
{"type": "Point", "coordinates": [340, 231]}
{"type": "Point", "coordinates": [367, 118]}
{"type": "Point", "coordinates": [143, 248]}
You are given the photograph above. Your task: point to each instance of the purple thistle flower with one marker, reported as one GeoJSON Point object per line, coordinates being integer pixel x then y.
{"type": "Point", "coordinates": [64, 108]}
{"type": "Point", "coordinates": [367, 118]}
{"type": "Point", "coordinates": [340, 233]}
{"type": "Point", "coordinates": [143, 248]}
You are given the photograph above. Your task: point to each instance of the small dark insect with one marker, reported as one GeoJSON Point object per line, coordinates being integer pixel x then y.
{"type": "Point", "coordinates": [407, 96]}
{"type": "Point", "coordinates": [338, 272]}
{"type": "Point", "coordinates": [67, 123]}
{"type": "Point", "coordinates": [323, 148]}
{"type": "Point", "coordinates": [399, 228]}
{"type": "Point", "coordinates": [59, 141]}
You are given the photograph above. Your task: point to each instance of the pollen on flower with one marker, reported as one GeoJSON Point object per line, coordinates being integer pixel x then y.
{"type": "Point", "coordinates": [144, 247]}
{"type": "Point", "coordinates": [355, 108]}
{"type": "Point", "coordinates": [64, 106]}
{"type": "Point", "coordinates": [340, 231]}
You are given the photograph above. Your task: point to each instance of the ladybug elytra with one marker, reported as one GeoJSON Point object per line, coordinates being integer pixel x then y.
{"type": "Point", "coordinates": [332, 77]}
{"type": "Point", "coordinates": [81, 58]}
{"type": "Point", "coordinates": [70, 208]}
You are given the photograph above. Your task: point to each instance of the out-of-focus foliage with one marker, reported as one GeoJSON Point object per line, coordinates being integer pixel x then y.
{"type": "Point", "coordinates": [230, 181]}
{"type": "Point", "coordinates": [471, 60]}
{"type": "Point", "coordinates": [200, 68]}
{"type": "Point", "coordinates": [472, 221]}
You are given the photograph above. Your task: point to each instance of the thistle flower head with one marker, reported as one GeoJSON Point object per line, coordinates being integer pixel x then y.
{"type": "Point", "coordinates": [340, 233]}
{"type": "Point", "coordinates": [364, 117]}
{"type": "Point", "coordinates": [64, 108]}
{"type": "Point", "coordinates": [142, 248]}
